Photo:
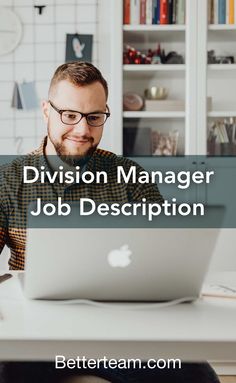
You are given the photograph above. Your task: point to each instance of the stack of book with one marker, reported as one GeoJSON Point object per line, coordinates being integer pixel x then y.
{"type": "Point", "coordinates": [170, 105]}
{"type": "Point", "coordinates": [154, 12]}
{"type": "Point", "coordinates": [221, 12]}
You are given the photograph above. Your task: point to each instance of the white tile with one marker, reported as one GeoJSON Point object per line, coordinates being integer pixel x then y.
{"type": "Point", "coordinates": [44, 2]}
{"type": "Point", "coordinates": [62, 30]}
{"type": "Point", "coordinates": [41, 128]}
{"type": "Point", "coordinates": [24, 72]}
{"type": "Point", "coordinates": [25, 52]}
{"type": "Point", "coordinates": [6, 72]}
{"type": "Point", "coordinates": [28, 145]}
{"type": "Point", "coordinates": [42, 89]}
{"type": "Point", "coordinates": [87, 28]}
{"type": "Point", "coordinates": [44, 71]}
{"type": "Point", "coordinates": [28, 34]}
{"type": "Point", "coordinates": [6, 128]}
{"type": "Point", "coordinates": [7, 146]}
{"type": "Point", "coordinates": [6, 90]}
{"type": "Point", "coordinates": [47, 15]}
{"type": "Point", "coordinates": [86, 14]}
{"type": "Point", "coordinates": [60, 53]}
{"type": "Point", "coordinates": [45, 52]}
{"type": "Point", "coordinates": [6, 2]}
{"type": "Point", "coordinates": [25, 127]}
{"type": "Point", "coordinates": [20, 3]}
{"type": "Point", "coordinates": [6, 110]}
{"type": "Point", "coordinates": [65, 14]}
{"type": "Point", "coordinates": [26, 14]}
{"type": "Point", "coordinates": [44, 34]}
{"type": "Point", "coordinates": [21, 114]}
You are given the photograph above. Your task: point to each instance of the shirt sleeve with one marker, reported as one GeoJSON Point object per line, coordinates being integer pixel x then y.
{"type": "Point", "coordinates": [3, 229]}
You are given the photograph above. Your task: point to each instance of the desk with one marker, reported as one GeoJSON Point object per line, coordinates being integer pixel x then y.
{"type": "Point", "coordinates": [37, 330]}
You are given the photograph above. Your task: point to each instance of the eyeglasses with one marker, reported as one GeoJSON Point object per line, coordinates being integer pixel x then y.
{"type": "Point", "coordinates": [72, 117]}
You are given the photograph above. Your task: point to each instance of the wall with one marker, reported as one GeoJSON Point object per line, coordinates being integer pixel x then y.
{"type": "Point", "coordinates": [41, 50]}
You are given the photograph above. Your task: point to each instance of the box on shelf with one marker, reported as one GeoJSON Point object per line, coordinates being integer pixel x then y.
{"type": "Point", "coordinates": [170, 105]}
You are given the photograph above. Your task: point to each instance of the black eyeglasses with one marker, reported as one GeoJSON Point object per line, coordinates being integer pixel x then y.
{"type": "Point", "coordinates": [72, 117]}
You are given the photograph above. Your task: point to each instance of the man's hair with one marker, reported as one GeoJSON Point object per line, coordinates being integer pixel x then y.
{"type": "Point", "coordinates": [78, 73]}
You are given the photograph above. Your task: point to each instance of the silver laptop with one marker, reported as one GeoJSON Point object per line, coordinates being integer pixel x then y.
{"type": "Point", "coordinates": [118, 264]}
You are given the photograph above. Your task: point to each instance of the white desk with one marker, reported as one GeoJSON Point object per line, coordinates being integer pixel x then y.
{"type": "Point", "coordinates": [34, 330]}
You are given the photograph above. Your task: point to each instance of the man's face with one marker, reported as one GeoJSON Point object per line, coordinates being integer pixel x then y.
{"type": "Point", "coordinates": [73, 143]}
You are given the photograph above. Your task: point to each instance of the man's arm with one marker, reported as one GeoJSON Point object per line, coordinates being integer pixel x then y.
{"type": "Point", "coordinates": [3, 229]}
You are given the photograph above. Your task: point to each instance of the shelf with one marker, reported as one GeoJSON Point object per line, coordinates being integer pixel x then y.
{"type": "Point", "coordinates": [144, 114]}
{"type": "Point", "coordinates": [221, 113]}
{"type": "Point", "coordinates": [153, 67]}
{"type": "Point", "coordinates": [222, 27]}
{"type": "Point", "coordinates": [225, 67]}
{"type": "Point", "coordinates": [154, 28]}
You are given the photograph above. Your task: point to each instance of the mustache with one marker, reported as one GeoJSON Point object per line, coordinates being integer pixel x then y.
{"type": "Point", "coordinates": [83, 137]}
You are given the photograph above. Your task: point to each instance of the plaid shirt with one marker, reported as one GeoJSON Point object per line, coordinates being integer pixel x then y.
{"type": "Point", "coordinates": [15, 195]}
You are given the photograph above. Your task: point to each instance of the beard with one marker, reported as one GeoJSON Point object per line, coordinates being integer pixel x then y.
{"type": "Point", "coordinates": [76, 159]}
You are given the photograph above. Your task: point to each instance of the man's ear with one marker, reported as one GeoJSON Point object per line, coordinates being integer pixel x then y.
{"type": "Point", "coordinates": [45, 110]}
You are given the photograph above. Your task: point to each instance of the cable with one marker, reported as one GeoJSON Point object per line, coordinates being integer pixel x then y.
{"type": "Point", "coordinates": [128, 306]}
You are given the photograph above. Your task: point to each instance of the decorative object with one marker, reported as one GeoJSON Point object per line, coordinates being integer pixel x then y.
{"type": "Point", "coordinates": [40, 8]}
{"type": "Point", "coordinates": [24, 96]}
{"type": "Point", "coordinates": [156, 56]}
{"type": "Point", "coordinates": [132, 102]}
{"type": "Point", "coordinates": [79, 47]}
{"type": "Point", "coordinates": [164, 144]}
{"type": "Point", "coordinates": [156, 93]}
{"type": "Point", "coordinates": [10, 30]}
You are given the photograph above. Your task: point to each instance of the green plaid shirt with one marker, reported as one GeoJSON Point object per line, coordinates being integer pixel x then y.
{"type": "Point", "coordinates": [15, 195]}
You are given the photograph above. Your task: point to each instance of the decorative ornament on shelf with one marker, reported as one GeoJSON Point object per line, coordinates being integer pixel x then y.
{"type": "Point", "coordinates": [10, 30]}
{"type": "Point", "coordinates": [132, 102]}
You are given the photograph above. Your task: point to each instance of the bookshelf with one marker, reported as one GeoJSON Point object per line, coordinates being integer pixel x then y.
{"type": "Point", "coordinates": [193, 81]}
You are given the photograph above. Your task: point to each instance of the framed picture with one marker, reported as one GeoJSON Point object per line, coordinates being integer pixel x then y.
{"type": "Point", "coordinates": [79, 47]}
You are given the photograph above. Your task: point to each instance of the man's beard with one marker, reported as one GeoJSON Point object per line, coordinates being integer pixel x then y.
{"type": "Point", "coordinates": [75, 159]}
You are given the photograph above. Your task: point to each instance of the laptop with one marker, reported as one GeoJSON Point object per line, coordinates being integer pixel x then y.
{"type": "Point", "coordinates": [120, 263]}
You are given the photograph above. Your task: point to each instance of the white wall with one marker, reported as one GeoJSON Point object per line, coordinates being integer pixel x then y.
{"type": "Point", "coordinates": [40, 51]}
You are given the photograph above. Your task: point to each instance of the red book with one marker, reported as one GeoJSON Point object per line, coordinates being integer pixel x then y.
{"type": "Point", "coordinates": [163, 11]}
{"type": "Point", "coordinates": [126, 14]}
{"type": "Point", "coordinates": [142, 11]}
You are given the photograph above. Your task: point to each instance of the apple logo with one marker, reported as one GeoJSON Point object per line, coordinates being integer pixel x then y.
{"type": "Point", "coordinates": [120, 257]}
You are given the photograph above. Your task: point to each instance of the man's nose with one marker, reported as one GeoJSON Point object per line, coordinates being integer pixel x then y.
{"type": "Point", "coordinates": [82, 127]}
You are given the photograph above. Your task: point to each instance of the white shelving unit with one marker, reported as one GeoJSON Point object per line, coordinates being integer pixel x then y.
{"type": "Point", "coordinates": [192, 81]}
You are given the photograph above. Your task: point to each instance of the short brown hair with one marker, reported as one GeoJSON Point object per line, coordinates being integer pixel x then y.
{"type": "Point", "coordinates": [78, 73]}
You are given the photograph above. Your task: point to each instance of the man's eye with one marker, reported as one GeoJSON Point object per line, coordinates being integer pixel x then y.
{"type": "Point", "coordinates": [70, 116]}
{"type": "Point", "coordinates": [94, 117]}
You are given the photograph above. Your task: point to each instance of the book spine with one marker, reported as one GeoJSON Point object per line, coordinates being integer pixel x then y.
{"type": "Point", "coordinates": [180, 12]}
{"type": "Point", "coordinates": [163, 12]}
{"type": "Point", "coordinates": [231, 12]}
{"type": "Point", "coordinates": [222, 11]}
{"type": "Point", "coordinates": [174, 12]}
{"type": "Point", "coordinates": [149, 12]}
{"type": "Point", "coordinates": [209, 11]}
{"type": "Point", "coordinates": [134, 12]}
{"type": "Point", "coordinates": [126, 11]}
{"type": "Point", "coordinates": [142, 11]}
{"type": "Point", "coordinates": [153, 11]}
{"type": "Point", "coordinates": [158, 10]}
{"type": "Point", "coordinates": [216, 8]}
{"type": "Point", "coordinates": [170, 11]}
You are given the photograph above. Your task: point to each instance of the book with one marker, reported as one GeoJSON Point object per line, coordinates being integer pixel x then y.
{"type": "Point", "coordinates": [210, 11]}
{"type": "Point", "coordinates": [148, 12]}
{"type": "Point", "coordinates": [163, 11]}
{"type": "Point", "coordinates": [170, 11]}
{"type": "Point", "coordinates": [134, 12]}
{"type": "Point", "coordinates": [216, 8]}
{"type": "Point", "coordinates": [126, 11]}
{"type": "Point", "coordinates": [180, 12]}
{"type": "Point", "coordinates": [174, 12]}
{"type": "Point", "coordinates": [164, 105]}
{"type": "Point", "coordinates": [231, 19]}
{"type": "Point", "coordinates": [142, 11]}
{"type": "Point", "coordinates": [222, 11]}
{"type": "Point", "coordinates": [219, 291]}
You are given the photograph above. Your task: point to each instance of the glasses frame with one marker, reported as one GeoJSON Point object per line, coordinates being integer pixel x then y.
{"type": "Point", "coordinates": [61, 111]}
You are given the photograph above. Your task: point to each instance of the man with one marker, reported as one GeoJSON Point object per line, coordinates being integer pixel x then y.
{"type": "Point", "coordinates": [75, 114]}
